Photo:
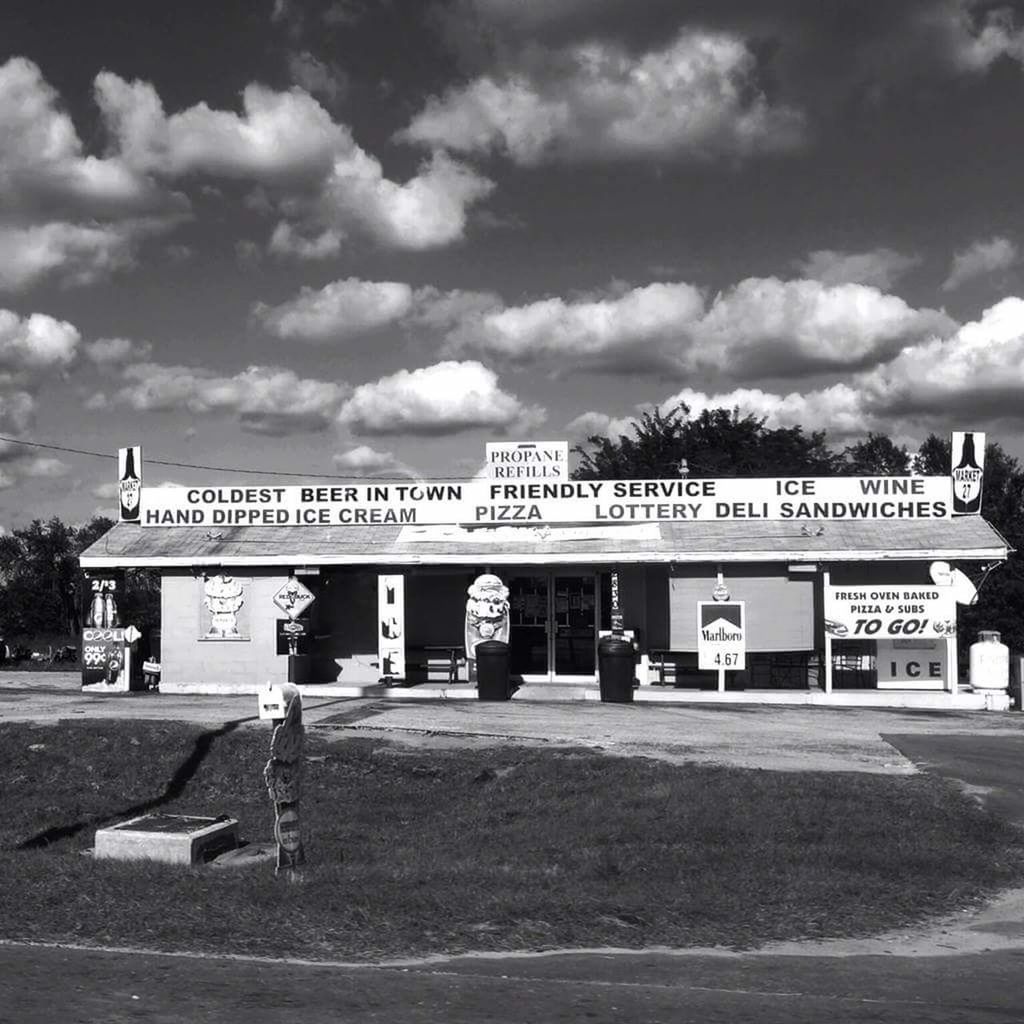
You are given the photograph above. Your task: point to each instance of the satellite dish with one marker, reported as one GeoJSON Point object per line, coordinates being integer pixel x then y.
{"type": "Point", "coordinates": [944, 575]}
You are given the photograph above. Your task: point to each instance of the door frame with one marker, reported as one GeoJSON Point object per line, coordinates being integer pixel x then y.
{"type": "Point", "coordinates": [549, 573]}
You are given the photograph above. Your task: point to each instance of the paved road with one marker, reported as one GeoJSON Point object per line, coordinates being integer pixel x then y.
{"type": "Point", "coordinates": [784, 739]}
{"type": "Point", "coordinates": [990, 766]}
{"type": "Point", "coordinates": [39, 986]}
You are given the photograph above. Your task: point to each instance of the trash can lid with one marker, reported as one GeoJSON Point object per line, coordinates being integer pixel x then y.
{"type": "Point", "coordinates": [491, 646]}
{"type": "Point", "coordinates": [615, 645]}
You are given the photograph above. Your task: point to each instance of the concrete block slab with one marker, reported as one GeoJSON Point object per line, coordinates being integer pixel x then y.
{"type": "Point", "coordinates": [170, 838]}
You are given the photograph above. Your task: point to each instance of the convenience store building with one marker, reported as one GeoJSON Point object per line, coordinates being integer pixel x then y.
{"type": "Point", "coordinates": [850, 585]}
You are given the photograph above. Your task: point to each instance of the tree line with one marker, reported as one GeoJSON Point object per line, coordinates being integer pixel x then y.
{"type": "Point", "coordinates": [41, 585]}
{"type": "Point", "coordinates": [726, 443]}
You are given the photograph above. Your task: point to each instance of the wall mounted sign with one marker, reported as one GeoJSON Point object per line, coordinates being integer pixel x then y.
{"type": "Point", "coordinates": [224, 608]}
{"type": "Point", "coordinates": [391, 625]}
{"type": "Point", "coordinates": [294, 598]}
{"type": "Point", "coordinates": [911, 664]}
{"type": "Point", "coordinates": [103, 658]}
{"type": "Point", "coordinates": [534, 503]}
{"type": "Point", "coordinates": [102, 597]}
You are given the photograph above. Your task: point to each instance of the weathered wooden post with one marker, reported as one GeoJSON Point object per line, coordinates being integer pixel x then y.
{"type": "Point", "coordinates": [283, 773]}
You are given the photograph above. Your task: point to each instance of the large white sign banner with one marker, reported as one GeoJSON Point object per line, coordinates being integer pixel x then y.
{"type": "Point", "coordinates": [883, 612]}
{"type": "Point", "coordinates": [489, 502]}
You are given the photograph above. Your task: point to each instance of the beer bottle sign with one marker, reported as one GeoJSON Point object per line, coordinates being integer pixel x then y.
{"type": "Point", "coordinates": [129, 488]}
{"type": "Point", "coordinates": [968, 462]}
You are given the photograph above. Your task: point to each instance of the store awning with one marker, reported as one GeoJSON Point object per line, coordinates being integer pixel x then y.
{"type": "Point", "coordinates": [128, 545]}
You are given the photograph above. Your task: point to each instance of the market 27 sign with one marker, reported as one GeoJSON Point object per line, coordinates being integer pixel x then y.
{"type": "Point", "coordinates": [884, 612]}
{"type": "Point", "coordinates": [492, 502]}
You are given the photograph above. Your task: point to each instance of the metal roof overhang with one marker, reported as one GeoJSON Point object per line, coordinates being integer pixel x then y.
{"type": "Point", "coordinates": [525, 557]}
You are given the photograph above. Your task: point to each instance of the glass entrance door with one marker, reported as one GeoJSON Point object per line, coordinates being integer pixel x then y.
{"type": "Point", "coordinates": [552, 621]}
{"type": "Point", "coordinates": [528, 626]}
{"type": "Point", "coordinates": [573, 621]}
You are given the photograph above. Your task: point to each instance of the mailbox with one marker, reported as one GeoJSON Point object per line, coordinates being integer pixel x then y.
{"type": "Point", "coordinates": [274, 700]}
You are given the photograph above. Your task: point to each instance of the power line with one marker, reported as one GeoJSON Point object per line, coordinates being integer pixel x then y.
{"type": "Point", "coordinates": [217, 469]}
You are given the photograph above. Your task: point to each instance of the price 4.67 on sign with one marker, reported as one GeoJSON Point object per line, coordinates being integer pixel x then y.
{"type": "Point", "coordinates": [721, 636]}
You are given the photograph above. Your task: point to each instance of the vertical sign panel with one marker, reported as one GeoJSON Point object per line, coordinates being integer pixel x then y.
{"type": "Point", "coordinates": [391, 625]}
{"type": "Point", "coordinates": [967, 459]}
{"type": "Point", "coordinates": [129, 484]}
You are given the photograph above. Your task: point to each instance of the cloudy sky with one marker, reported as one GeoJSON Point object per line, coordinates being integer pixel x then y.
{"type": "Point", "coordinates": [365, 236]}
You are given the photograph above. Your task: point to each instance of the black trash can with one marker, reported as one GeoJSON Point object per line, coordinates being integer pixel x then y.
{"type": "Point", "coordinates": [616, 662]}
{"type": "Point", "coordinates": [492, 679]}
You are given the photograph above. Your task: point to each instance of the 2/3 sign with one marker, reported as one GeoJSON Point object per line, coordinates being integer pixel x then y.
{"type": "Point", "coordinates": [897, 627]}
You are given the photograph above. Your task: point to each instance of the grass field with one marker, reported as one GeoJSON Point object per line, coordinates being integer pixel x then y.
{"type": "Point", "coordinates": [414, 851]}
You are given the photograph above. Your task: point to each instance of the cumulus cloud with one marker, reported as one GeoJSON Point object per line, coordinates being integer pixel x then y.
{"type": "Point", "coordinates": [427, 211]}
{"type": "Point", "coordinates": [978, 259]}
{"type": "Point", "coordinates": [64, 212]}
{"type": "Point", "coordinates": [280, 137]}
{"type": "Point", "coordinates": [446, 398]}
{"type": "Point", "coordinates": [639, 329]}
{"type": "Point", "coordinates": [320, 179]}
{"type": "Point", "coordinates": [287, 241]}
{"type": "Point", "coordinates": [42, 161]}
{"type": "Point", "coordinates": [975, 375]}
{"type": "Point", "coordinates": [839, 409]}
{"type": "Point", "coordinates": [33, 345]}
{"type": "Point", "coordinates": [588, 424]}
{"type": "Point", "coordinates": [42, 466]}
{"type": "Point", "coordinates": [762, 325]}
{"type": "Point", "coordinates": [263, 399]}
{"type": "Point", "coordinates": [17, 410]}
{"type": "Point", "coordinates": [316, 77]}
{"type": "Point", "coordinates": [111, 351]}
{"type": "Point", "coordinates": [365, 459]}
{"type": "Point", "coordinates": [81, 254]}
{"type": "Point", "coordinates": [979, 370]}
{"type": "Point", "coordinates": [878, 267]}
{"type": "Point", "coordinates": [340, 309]}
{"type": "Point", "coordinates": [106, 492]}
{"type": "Point", "coordinates": [781, 328]}
{"type": "Point", "coordinates": [973, 35]}
{"type": "Point", "coordinates": [349, 307]}
{"type": "Point", "coordinates": [697, 98]}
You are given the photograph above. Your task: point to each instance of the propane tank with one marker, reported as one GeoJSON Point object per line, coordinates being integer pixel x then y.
{"type": "Point", "coordinates": [990, 662]}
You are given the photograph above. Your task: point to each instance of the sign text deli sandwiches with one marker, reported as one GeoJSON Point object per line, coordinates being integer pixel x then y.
{"type": "Point", "coordinates": [497, 502]}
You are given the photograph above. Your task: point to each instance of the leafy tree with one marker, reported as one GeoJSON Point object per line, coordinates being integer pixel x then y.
{"type": "Point", "coordinates": [878, 455]}
{"type": "Point", "coordinates": [718, 442]}
{"type": "Point", "coordinates": [41, 584]}
{"type": "Point", "coordinates": [39, 579]}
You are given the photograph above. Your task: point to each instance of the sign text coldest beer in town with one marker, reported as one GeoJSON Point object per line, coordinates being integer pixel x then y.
{"type": "Point", "coordinates": [499, 502]}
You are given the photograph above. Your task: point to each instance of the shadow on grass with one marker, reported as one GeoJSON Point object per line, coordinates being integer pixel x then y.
{"type": "Point", "coordinates": [174, 788]}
